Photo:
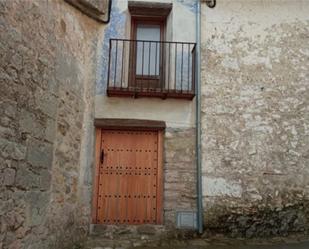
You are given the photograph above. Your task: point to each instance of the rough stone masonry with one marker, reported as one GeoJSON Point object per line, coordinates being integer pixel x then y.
{"type": "Point", "coordinates": [47, 68]}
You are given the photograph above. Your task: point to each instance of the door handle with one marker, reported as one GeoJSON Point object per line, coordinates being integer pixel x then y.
{"type": "Point", "coordinates": [102, 156]}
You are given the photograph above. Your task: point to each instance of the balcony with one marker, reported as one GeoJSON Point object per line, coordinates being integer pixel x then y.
{"type": "Point", "coordinates": [140, 68]}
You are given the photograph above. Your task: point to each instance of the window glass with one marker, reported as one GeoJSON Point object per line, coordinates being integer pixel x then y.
{"type": "Point", "coordinates": [148, 53]}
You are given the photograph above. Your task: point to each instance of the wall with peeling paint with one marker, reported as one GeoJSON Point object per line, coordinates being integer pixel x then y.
{"type": "Point", "coordinates": [181, 18]}
{"type": "Point", "coordinates": [255, 99]}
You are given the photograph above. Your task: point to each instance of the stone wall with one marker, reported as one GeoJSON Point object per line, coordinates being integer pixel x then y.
{"type": "Point", "coordinates": [47, 69]}
{"type": "Point", "coordinates": [255, 98]}
{"type": "Point", "coordinates": [179, 173]}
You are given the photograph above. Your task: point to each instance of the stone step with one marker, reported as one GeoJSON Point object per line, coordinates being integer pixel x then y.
{"type": "Point", "coordinates": [132, 236]}
{"type": "Point", "coordinates": [123, 230]}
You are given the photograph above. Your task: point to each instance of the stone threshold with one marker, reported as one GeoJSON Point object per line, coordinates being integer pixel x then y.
{"type": "Point", "coordinates": [143, 233]}
{"type": "Point", "coordinates": [132, 230]}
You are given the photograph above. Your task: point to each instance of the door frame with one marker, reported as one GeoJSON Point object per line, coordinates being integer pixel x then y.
{"type": "Point", "coordinates": [128, 124]}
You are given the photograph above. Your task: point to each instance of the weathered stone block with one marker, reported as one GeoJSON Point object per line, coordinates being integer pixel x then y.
{"type": "Point", "coordinates": [10, 109]}
{"type": "Point", "coordinates": [9, 177]}
{"type": "Point", "coordinates": [45, 179]}
{"type": "Point", "coordinates": [6, 132]}
{"type": "Point", "coordinates": [146, 229]}
{"type": "Point", "coordinates": [29, 123]}
{"type": "Point", "coordinates": [50, 131]}
{"type": "Point", "coordinates": [14, 219]}
{"type": "Point", "coordinates": [37, 203]}
{"type": "Point", "coordinates": [39, 154]}
{"type": "Point", "coordinates": [46, 102]}
{"type": "Point", "coordinates": [25, 178]}
{"type": "Point", "coordinates": [12, 150]}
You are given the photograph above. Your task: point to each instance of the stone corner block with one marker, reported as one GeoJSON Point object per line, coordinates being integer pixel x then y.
{"type": "Point", "coordinates": [96, 9]}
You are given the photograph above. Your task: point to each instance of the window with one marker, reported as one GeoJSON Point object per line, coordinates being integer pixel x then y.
{"type": "Point", "coordinates": [147, 54]}
{"type": "Point", "coordinates": [150, 61]}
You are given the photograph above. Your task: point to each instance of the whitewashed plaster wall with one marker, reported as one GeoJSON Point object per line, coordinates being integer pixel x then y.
{"type": "Point", "coordinates": [176, 113]}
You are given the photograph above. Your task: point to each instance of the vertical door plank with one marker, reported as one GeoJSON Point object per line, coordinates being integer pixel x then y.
{"type": "Point", "coordinates": [160, 178]}
{"type": "Point", "coordinates": [105, 195]}
{"type": "Point", "coordinates": [96, 175]}
{"type": "Point", "coordinates": [152, 176]}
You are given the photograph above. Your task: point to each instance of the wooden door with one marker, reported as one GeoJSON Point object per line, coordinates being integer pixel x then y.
{"type": "Point", "coordinates": [129, 177]}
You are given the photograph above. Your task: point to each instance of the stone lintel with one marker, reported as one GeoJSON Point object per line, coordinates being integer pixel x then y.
{"type": "Point", "coordinates": [141, 8]}
{"type": "Point", "coordinates": [136, 124]}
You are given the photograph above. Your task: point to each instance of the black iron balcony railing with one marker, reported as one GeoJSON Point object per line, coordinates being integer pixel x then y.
{"type": "Point", "coordinates": [141, 68]}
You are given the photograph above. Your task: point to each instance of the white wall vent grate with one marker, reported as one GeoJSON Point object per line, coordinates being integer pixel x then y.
{"type": "Point", "coordinates": [186, 220]}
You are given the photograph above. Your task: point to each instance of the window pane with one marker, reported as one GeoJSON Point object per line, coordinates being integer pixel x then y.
{"type": "Point", "coordinates": [148, 32]}
{"type": "Point", "coordinates": [148, 53]}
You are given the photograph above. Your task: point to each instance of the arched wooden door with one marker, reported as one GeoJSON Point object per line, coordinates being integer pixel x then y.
{"type": "Point", "coordinates": [128, 177]}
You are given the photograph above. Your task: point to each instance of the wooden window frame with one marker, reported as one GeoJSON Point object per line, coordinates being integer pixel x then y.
{"type": "Point", "coordinates": [156, 20]}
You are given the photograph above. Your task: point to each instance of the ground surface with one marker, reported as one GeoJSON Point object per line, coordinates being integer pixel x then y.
{"type": "Point", "coordinates": [301, 245]}
{"type": "Point", "coordinates": [218, 243]}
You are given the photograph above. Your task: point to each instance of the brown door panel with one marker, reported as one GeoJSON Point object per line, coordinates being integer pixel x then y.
{"type": "Point", "coordinates": [129, 182]}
